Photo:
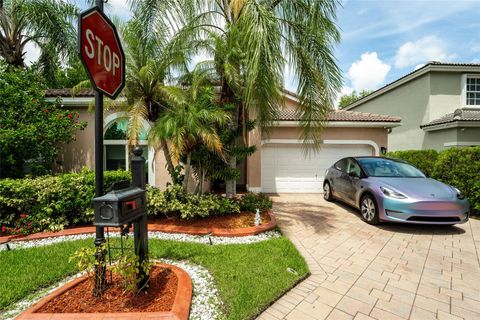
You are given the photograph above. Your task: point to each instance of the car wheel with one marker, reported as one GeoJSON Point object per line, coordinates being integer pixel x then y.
{"type": "Point", "coordinates": [369, 209]}
{"type": "Point", "coordinates": [327, 192]}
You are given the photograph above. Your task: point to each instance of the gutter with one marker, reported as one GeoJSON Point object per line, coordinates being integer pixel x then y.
{"type": "Point", "coordinates": [343, 124]}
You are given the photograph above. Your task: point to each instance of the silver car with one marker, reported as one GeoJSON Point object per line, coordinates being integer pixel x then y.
{"type": "Point", "coordinates": [385, 189]}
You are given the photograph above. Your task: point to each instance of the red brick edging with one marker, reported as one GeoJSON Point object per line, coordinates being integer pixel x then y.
{"type": "Point", "coordinates": [180, 309]}
{"type": "Point", "coordinates": [218, 232]}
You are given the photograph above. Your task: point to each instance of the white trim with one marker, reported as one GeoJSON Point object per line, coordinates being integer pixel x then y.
{"type": "Point", "coordinates": [463, 95]}
{"type": "Point", "coordinates": [343, 124]}
{"type": "Point", "coordinates": [78, 101]}
{"type": "Point", "coordinates": [254, 189]}
{"type": "Point", "coordinates": [463, 102]}
{"type": "Point", "coordinates": [371, 143]}
{"type": "Point", "coordinates": [108, 121]}
{"type": "Point", "coordinates": [461, 143]}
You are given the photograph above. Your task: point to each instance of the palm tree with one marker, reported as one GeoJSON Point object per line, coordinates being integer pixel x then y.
{"type": "Point", "coordinates": [192, 121]}
{"type": "Point", "coordinates": [252, 41]}
{"type": "Point", "coordinates": [46, 23]}
{"type": "Point", "coordinates": [149, 65]}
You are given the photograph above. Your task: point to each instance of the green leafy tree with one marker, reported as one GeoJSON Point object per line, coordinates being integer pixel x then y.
{"type": "Point", "coordinates": [68, 76]}
{"type": "Point", "coordinates": [193, 121]}
{"type": "Point", "coordinates": [32, 130]}
{"type": "Point", "coordinates": [348, 99]}
{"type": "Point", "coordinates": [251, 42]}
{"type": "Point", "coordinates": [46, 23]}
{"type": "Point", "coordinates": [149, 63]}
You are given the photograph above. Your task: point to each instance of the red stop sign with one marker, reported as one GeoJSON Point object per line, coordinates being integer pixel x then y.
{"type": "Point", "coordinates": [101, 52]}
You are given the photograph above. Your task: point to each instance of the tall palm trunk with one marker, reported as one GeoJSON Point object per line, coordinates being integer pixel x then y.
{"type": "Point", "coordinates": [188, 166]}
{"type": "Point", "coordinates": [227, 97]}
{"type": "Point", "coordinates": [168, 157]}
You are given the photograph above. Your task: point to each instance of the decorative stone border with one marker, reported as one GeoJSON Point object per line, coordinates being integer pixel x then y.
{"type": "Point", "coordinates": [217, 232]}
{"type": "Point", "coordinates": [180, 310]}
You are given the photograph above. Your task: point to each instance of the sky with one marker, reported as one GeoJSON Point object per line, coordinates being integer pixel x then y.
{"type": "Point", "coordinates": [383, 40]}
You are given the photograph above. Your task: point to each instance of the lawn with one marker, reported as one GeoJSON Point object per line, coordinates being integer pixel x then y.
{"type": "Point", "coordinates": [248, 277]}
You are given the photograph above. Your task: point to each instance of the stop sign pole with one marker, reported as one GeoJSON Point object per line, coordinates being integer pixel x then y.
{"type": "Point", "coordinates": [102, 56]}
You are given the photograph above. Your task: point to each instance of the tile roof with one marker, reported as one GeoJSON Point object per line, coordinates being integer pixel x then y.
{"type": "Point", "coordinates": [67, 93]}
{"type": "Point", "coordinates": [342, 115]}
{"type": "Point", "coordinates": [464, 114]}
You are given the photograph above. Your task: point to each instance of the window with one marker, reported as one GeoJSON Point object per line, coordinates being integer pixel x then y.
{"type": "Point", "coordinates": [472, 91]}
{"type": "Point", "coordinates": [340, 165]}
{"type": "Point", "coordinates": [353, 167]}
{"type": "Point", "coordinates": [117, 152]}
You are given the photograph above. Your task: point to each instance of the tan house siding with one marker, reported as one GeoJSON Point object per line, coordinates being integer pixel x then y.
{"type": "Point", "coordinates": [254, 163]}
{"type": "Point", "coordinates": [410, 102]}
{"type": "Point", "coordinates": [79, 153]}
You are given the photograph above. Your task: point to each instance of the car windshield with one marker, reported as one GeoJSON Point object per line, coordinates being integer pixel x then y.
{"type": "Point", "coordinates": [381, 167]}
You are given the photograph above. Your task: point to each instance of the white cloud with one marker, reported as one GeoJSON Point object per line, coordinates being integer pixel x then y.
{"type": "Point", "coordinates": [429, 48]}
{"type": "Point", "coordinates": [32, 53]}
{"type": "Point", "coordinates": [368, 73]}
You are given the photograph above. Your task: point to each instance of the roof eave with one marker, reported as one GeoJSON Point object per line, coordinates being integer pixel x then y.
{"type": "Point", "coordinates": [343, 124]}
{"type": "Point", "coordinates": [451, 124]}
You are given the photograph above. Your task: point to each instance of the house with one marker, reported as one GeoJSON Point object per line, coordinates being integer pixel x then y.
{"type": "Point", "coordinates": [439, 105]}
{"type": "Point", "coordinates": [279, 165]}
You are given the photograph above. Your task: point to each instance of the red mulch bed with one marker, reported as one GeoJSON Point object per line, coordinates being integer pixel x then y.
{"type": "Point", "coordinates": [158, 297]}
{"type": "Point", "coordinates": [232, 221]}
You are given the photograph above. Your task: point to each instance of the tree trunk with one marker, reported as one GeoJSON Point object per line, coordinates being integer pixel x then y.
{"type": "Point", "coordinates": [168, 158]}
{"type": "Point", "coordinates": [204, 172]}
{"type": "Point", "coordinates": [187, 171]}
{"type": "Point", "coordinates": [227, 96]}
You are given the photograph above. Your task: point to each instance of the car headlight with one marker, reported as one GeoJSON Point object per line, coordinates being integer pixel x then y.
{"type": "Point", "coordinates": [392, 194]}
{"type": "Point", "coordinates": [460, 195]}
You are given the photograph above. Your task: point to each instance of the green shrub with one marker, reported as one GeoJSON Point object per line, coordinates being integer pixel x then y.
{"type": "Point", "coordinates": [175, 202]}
{"type": "Point", "coordinates": [52, 202]}
{"type": "Point", "coordinates": [251, 202]}
{"type": "Point", "coordinates": [32, 130]}
{"type": "Point", "coordinates": [460, 167]}
{"type": "Point", "coordinates": [422, 159]}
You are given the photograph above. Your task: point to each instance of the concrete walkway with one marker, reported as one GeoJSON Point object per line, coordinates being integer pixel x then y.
{"type": "Point", "coordinates": [377, 272]}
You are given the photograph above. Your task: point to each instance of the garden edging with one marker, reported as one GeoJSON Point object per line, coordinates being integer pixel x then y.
{"type": "Point", "coordinates": [180, 309]}
{"type": "Point", "coordinates": [217, 232]}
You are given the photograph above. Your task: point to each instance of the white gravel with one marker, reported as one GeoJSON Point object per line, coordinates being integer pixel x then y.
{"type": "Point", "coordinates": [206, 303]}
{"type": "Point", "coordinates": [152, 235]}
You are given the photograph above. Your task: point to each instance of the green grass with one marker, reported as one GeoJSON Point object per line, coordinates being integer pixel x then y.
{"type": "Point", "coordinates": [248, 277]}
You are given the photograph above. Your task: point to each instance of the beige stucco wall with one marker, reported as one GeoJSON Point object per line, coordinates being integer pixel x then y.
{"type": "Point", "coordinates": [254, 163]}
{"type": "Point", "coordinates": [410, 102]}
{"type": "Point", "coordinates": [81, 153]}
{"type": "Point", "coordinates": [417, 102]}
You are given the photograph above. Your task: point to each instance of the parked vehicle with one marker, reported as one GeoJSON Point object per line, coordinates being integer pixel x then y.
{"type": "Point", "coordinates": [392, 190]}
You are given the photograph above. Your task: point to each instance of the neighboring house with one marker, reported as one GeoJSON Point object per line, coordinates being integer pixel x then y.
{"type": "Point", "coordinates": [279, 165]}
{"type": "Point", "coordinates": [439, 105]}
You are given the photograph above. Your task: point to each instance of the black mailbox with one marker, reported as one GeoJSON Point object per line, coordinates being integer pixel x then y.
{"type": "Point", "coordinates": [122, 205]}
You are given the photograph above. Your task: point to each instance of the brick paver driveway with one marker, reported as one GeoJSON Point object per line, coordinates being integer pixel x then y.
{"type": "Point", "coordinates": [377, 272]}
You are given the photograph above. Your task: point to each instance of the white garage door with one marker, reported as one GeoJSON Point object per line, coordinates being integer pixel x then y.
{"type": "Point", "coordinates": [286, 169]}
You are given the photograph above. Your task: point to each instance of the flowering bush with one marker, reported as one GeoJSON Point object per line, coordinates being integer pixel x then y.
{"type": "Point", "coordinates": [22, 226]}
{"type": "Point", "coordinates": [32, 130]}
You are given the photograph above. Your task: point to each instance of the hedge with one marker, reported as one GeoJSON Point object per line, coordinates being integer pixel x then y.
{"type": "Point", "coordinates": [422, 159]}
{"type": "Point", "coordinates": [458, 167]}
{"type": "Point", "coordinates": [51, 202]}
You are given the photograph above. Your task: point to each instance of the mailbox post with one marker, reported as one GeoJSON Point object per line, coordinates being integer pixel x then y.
{"type": "Point", "coordinates": [124, 205]}
{"type": "Point", "coordinates": [140, 224]}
